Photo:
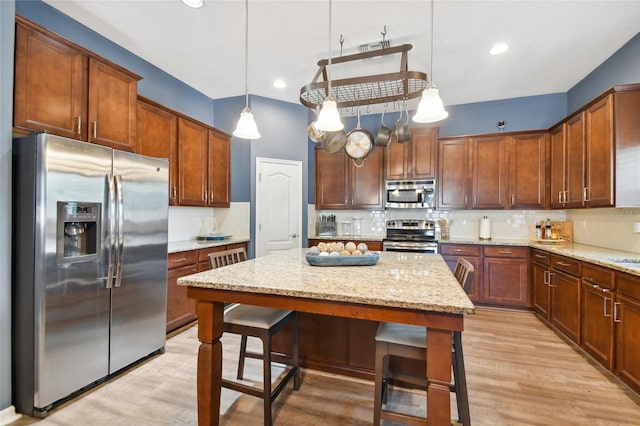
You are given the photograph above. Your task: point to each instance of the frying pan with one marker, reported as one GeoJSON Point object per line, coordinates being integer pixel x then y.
{"type": "Point", "coordinates": [333, 142]}
{"type": "Point", "coordinates": [359, 142]}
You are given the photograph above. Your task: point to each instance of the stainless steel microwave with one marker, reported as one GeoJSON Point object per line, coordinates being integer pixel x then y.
{"type": "Point", "coordinates": [410, 194]}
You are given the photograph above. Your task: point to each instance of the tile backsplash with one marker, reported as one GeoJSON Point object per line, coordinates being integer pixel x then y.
{"type": "Point", "coordinates": [186, 223]}
{"type": "Point", "coordinates": [610, 228]}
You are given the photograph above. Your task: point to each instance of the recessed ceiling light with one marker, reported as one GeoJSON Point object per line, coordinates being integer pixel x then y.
{"type": "Point", "coordinates": [280, 84]}
{"type": "Point", "coordinates": [193, 3]}
{"type": "Point", "coordinates": [499, 48]}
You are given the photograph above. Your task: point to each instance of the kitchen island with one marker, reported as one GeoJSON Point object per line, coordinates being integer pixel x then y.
{"type": "Point", "coordinates": [405, 288]}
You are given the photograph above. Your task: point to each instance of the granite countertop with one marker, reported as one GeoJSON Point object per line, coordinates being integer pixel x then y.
{"type": "Point", "coordinates": [403, 280]}
{"type": "Point", "coordinates": [187, 245]}
{"type": "Point", "coordinates": [615, 259]}
{"type": "Point", "coordinates": [346, 238]}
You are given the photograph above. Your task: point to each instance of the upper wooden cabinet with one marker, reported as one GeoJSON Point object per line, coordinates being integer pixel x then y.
{"type": "Point", "coordinates": [600, 153]}
{"type": "Point", "coordinates": [203, 165]}
{"type": "Point", "coordinates": [493, 172]}
{"type": "Point", "coordinates": [415, 159]}
{"type": "Point", "coordinates": [489, 172]}
{"type": "Point", "coordinates": [453, 173]}
{"type": "Point", "coordinates": [340, 184]}
{"type": "Point", "coordinates": [69, 91]}
{"type": "Point", "coordinates": [157, 136]}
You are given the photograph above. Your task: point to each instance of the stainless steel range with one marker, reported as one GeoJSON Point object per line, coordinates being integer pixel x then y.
{"type": "Point", "coordinates": [411, 235]}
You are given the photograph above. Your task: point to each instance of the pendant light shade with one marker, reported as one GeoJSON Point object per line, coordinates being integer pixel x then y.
{"type": "Point", "coordinates": [329, 117]}
{"type": "Point", "coordinates": [246, 127]}
{"type": "Point", "coordinates": [430, 108]}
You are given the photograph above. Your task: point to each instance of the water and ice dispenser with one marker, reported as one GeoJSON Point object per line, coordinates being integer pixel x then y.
{"type": "Point", "coordinates": [78, 231]}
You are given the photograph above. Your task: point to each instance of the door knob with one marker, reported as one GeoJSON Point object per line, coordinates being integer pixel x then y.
{"type": "Point", "coordinates": [293, 235]}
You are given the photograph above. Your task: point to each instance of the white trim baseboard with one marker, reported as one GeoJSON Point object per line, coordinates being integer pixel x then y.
{"type": "Point", "coordinates": [9, 415]}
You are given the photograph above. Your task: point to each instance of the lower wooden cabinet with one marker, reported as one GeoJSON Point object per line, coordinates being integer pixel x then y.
{"type": "Point", "coordinates": [598, 286]}
{"type": "Point", "coordinates": [626, 317]}
{"type": "Point", "coordinates": [180, 309]}
{"type": "Point", "coordinates": [472, 253]}
{"type": "Point", "coordinates": [565, 296]}
{"type": "Point", "coordinates": [540, 286]}
{"type": "Point", "coordinates": [506, 276]}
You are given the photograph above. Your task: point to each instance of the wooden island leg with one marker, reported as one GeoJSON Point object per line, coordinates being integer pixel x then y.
{"type": "Point", "coordinates": [438, 376]}
{"type": "Point", "coordinates": [210, 327]}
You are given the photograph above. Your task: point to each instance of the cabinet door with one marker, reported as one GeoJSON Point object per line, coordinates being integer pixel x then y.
{"type": "Point", "coordinates": [574, 173]}
{"type": "Point", "coordinates": [627, 317]}
{"type": "Point", "coordinates": [395, 161]}
{"type": "Point", "coordinates": [489, 172]}
{"type": "Point", "coordinates": [527, 161]}
{"type": "Point", "coordinates": [505, 281]}
{"type": "Point", "coordinates": [599, 154]}
{"type": "Point", "coordinates": [597, 323]}
{"type": "Point", "coordinates": [193, 141]}
{"type": "Point", "coordinates": [50, 85]}
{"type": "Point", "coordinates": [112, 107]}
{"type": "Point", "coordinates": [157, 136]}
{"type": "Point", "coordinates": [557, 159]}
{"type": "Point", "coordinates": [219, 170]}
{"type": "Point", "coordinates": [332, 180]}
{"type": "Point", "coordinates": [541, 289]}
{"type": "Point", "coordinates": [453, 156]}
{"type": "Point", "coordinates": [366, 182]}
{"type": "Point", "coordinates": [181, 310]}
{"type": "Point", "coordinates": [565, 312]}
{"type": "Point", "coordinates": [423, 153]}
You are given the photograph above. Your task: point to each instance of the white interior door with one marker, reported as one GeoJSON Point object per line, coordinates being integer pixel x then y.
{"type": "Point", "coordinates": [278, 205]}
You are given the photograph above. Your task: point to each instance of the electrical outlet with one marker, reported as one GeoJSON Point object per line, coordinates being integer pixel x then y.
{"type": "Point", "coordinates": [636, 227]}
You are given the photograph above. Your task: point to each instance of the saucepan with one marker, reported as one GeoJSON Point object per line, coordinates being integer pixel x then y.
{"type": "Point", "coordinates": [384, 133]}
{"type": "Point", "coordinates": [403, 134]}
{"type": "Point", "coordinates": [333, 142]}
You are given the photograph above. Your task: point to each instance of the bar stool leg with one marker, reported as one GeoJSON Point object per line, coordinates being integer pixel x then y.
{"type": "Point", "coordinates": [296, 352]}
{"type": "Point", "coordinates": [379, 378]}
{"type": "Point", "coordinates": [266, 387]}
{"type": "Point", "coordinates": [243, 355]}
{"type": "Point", "coordinates": [460, 381]}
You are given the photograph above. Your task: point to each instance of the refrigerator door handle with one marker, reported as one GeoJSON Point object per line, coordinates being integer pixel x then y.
{"type": "Point", "coordinates": [110, 235]}
{"type": "Point", "coordinates": [120, 230]}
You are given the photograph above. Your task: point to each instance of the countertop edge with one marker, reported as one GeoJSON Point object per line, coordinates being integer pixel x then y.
{"type": "Point", "coordinates": [178, 246]}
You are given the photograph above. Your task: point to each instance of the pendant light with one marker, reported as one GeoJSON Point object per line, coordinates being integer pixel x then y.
{"type": "Point", "coordinates": [246, 127]}
{"type": "Point", "coordinates": [329, 117]}
{"type": "Point", "coordinates": [430, 108]}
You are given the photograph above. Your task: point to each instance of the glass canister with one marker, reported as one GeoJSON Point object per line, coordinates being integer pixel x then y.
{"type": "Point", "coordinates": [346, 228]}
{"type": "Point", "coordinates": [356, 226]}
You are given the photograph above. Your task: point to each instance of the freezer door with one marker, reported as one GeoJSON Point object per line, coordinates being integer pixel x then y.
{"type": "Point", "coordinates": [66, 320]}
{"type": "Point", "coordinates": [139, 296]}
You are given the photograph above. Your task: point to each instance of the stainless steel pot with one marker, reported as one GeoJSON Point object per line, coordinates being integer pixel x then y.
{"type": "Point", "coordinates": [333, 142]}
{"type": "Point", "coordinates": [384, 133]}
{"type": "Point", "coordinates": [403, 134]}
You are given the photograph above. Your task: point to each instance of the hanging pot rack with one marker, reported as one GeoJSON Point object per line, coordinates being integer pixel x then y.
{"type": "Point", "coordinates": [365, 90]}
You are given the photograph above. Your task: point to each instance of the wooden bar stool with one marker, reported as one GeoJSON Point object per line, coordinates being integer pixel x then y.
{"type": "Point", "coordinates": [410, 341]}
{"type": "Point", "coordinates": [263, 323]}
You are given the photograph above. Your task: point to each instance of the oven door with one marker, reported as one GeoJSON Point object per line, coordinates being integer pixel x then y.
{"type": "Point", "coordinates": [410, 246]}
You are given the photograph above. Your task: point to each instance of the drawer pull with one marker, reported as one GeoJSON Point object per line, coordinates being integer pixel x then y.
{"type": "Point", "coordinates": [563, 264]}
{"type": "Point", "coordinates": [606, 301]}
{"type": "Point", "coordinates": [182, 259]}
{"type": "Point", "coordinates": [541, 256]}
{"type": "Point", "coordinates": [459, 250]}
{"type": "Point", "coordinates": [505, 252]}
{"type": "Point", "coordinates": [596, 286]}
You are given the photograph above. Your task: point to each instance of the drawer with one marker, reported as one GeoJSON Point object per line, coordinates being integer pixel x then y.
{"type": "Point", "coordinates": [598, 275]}
{"type": "Point", "coordinates": [628, 284]}
{"type": "Point", "coordinates": [540, 256]}
{"type": "Point", "coordinates": [203, 253]}
{"type": "Point", "coordinates": [182, 258]}
{"type": "Point", "coordinates": [460, 249]}
{"type": "Point", "coordinates": [506, 251]}
{"type": "Point", "coordinates": [565, 264]}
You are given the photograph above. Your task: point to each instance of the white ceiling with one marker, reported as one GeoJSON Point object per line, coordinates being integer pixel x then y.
{"type": "Point", "coordinates": [553, 44]}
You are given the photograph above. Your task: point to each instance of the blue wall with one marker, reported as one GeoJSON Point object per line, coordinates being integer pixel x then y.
{"type": "Point", "coordinates": [623, 67]}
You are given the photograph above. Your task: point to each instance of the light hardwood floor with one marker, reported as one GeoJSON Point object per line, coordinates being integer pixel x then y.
{"type": "Point", "coordinates": [519, 372]}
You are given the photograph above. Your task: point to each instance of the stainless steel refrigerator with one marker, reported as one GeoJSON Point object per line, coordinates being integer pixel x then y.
{"type": "Point", "coordinates": [89, 265]}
